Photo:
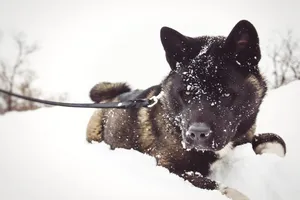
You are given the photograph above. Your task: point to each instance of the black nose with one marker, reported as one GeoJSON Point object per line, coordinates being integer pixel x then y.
{"type": "Point", "coordinates": [198, 132]}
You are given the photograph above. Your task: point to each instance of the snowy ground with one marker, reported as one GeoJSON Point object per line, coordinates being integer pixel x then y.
{"type": "Point", "coordinates": [44, 156]}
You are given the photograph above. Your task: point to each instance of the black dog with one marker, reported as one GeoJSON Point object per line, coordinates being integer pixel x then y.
{"type": "Point", "coordinates": [209, 104]}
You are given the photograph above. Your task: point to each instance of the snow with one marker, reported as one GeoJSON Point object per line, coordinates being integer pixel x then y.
{"type": "Point", "coordinates": [44, 155]}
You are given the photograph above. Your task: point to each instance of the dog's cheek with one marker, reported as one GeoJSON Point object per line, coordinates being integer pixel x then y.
{"type": "Point", "coordinates": [227, 127]}
{"type": "Point", "coordinates": [227, 118]}
{"type": "Point", "coordinates": [174, 109]}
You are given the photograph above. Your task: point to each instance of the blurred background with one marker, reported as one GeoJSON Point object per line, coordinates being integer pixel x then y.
{"type": "Point", "coordinates": [59, 49]}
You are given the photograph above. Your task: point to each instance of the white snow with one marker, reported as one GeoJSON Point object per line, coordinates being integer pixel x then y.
{"type": "Point", "coordinates": [44, 156]}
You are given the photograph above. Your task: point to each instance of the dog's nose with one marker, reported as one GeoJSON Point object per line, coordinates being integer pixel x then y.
{"type": "Point", "coordinates": [198, 132]}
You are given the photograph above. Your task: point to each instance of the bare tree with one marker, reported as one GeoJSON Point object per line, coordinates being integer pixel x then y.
{"type": "Point", "coordinates": [285, 58]}
{"type": "Point", "coordinates": [14, 77]}
{"type": "Point", "coordinates": [9, 73]}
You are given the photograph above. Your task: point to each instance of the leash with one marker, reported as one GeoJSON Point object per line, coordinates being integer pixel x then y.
{"type": "Point", "coordinates": [137, 103]}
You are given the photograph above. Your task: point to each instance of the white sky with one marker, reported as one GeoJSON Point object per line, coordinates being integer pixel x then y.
{"type": "Point", "coordinates": [83, 42]}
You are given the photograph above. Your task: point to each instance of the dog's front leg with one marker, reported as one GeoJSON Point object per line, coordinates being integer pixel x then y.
{"type": "Point", "coordinates": [269, 143]}
{"type": "Point", "coordinates": [205, 183]}
{"type": "Point", "coordinates": [263, 143]}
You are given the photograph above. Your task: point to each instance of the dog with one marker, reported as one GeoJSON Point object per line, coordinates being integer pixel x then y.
{"type": "Point", "coordinates": [208, 105]}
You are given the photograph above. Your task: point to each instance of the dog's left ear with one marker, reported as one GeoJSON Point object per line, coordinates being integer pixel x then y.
{"type": "Point", "coordinates": [178, 47]}
{"type": "Point", "coordinates": [243, 43]}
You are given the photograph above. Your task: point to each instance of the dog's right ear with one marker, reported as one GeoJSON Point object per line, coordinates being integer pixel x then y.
{"type": "Point", "coordinates": [178, 47]}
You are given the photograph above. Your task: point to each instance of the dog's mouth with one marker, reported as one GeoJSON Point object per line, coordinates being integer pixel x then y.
{"type": "Point", "coordinates": [207, 146]}
{"type": "Point", "coordinates": [187, 146]}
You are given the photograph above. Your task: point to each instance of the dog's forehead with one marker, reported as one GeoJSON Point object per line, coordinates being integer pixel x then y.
{"type": "Point", "coordinates": [210, 44]}
{"type": "Point", "coordinates": [207, 74]}
{"type": "Point", "coordinates": [205, 85]}
{"type": "Point", "coordinates": [210, 60]}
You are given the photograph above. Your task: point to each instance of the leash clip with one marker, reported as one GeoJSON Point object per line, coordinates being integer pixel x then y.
{"type": "Point", "coordinates": [155, 99]}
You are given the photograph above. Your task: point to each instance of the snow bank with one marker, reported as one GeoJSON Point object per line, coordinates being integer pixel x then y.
{"type": "Point", "coordinates": [44, 155]}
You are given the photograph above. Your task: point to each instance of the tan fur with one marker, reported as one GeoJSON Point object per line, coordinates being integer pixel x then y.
{"type": "Point", "coordinates": [93, 132]}
{"type": "Point", "coordinates": [146, 140]}
{"type": "Point", "coordinates": [257, 84]}
{"type": "Point", "coordinates": [251, 132]}
{"type": "Point", "coordinates": [146, 137]}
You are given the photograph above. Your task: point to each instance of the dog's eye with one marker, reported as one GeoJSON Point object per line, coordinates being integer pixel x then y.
{"type": "Point", "coordinates": [228, 98]}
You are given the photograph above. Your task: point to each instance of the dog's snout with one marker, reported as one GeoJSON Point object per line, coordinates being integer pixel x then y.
{"type": "Point", "coordinates": [198, 131]}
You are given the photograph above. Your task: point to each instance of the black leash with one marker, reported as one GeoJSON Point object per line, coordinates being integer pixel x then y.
{"type": "Point", "coordinates": [137, 103]}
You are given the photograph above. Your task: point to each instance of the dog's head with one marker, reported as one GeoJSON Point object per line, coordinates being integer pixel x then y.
{"type": "Point", "coordinates": [214, 84]}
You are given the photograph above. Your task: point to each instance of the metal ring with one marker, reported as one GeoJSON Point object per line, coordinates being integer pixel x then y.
{"type": "Point", "coordinates": [155, 99]}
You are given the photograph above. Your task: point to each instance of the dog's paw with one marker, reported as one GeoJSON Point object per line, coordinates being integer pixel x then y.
{"type": "Point", "coordinates": [269, 143]}
{"type": "Point", "coordinates": [233, 194]}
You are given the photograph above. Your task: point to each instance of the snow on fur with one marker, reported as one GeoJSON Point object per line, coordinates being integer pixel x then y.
{"type": "Point", "coordinates": [44, 155]}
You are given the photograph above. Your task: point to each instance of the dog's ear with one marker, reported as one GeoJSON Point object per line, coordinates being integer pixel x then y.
{"type": "Point", "coordinates": [243, 43]}
{"type": "Point", "coordinates": [178, 47]}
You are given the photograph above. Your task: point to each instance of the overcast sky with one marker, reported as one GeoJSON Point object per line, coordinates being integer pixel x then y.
{"type": "Point", "coordinates": [83, 41]}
